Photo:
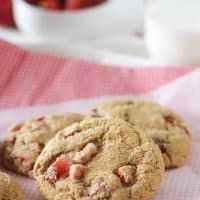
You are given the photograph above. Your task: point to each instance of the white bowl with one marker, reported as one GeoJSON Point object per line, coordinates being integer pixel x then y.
{"type": "Point", "coordinates": [60, 25]}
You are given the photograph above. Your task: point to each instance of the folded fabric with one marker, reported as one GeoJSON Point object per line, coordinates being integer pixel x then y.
{"type": "Point", "coordinates": [35, 78]}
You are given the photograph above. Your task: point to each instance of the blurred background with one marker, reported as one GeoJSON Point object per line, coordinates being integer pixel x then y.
{"type": "Point", "coordinates": [131, 12]}
{"type": "Point", "coordinates": [109, 28]}
{"type": "Point", "coordinates": [145, 32]}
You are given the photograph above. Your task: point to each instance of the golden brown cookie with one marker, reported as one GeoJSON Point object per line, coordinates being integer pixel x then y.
{"type": "Point", "coordinates": [167, 129]}
{"type": "Point", "coordinates": [99, 159]}
{"type": "Point", "coordinates": [9, 189]}
{"type": "Point", "coordinates": [26, 140]}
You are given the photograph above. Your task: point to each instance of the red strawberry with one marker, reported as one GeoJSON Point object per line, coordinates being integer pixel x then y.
{"type": "Point", "coordinates": [169, 119]}
{"type": "Point", "coordinates": [120, 175]}
{"type": "Point", "coordinates": [61, 166]}
{"type": "Point", "coordinates": [10, 141]}
{"type": "Point", "coordinates": [15, 127]}
{"type": "Point", "coordinates": [94, 2]}
{"type": "Point", "coordinates": [51, 4]}
{"type": "Point", "coordinates": [78, 4]}
{"type": "Point", "coordinates": [68, 133]}
{"type": "Point", "coordinates": [39, 119]}
{"type": "Point", "coordinates": [77, 171]}
{"type": "Point", "coordinates": [24, 164]}
{"type": "Point", "coordinates": [32, 1]}
{"type": "Point", "coordinates": [75, 4]}
{"type": "Point", "coordinates": [126, 174]}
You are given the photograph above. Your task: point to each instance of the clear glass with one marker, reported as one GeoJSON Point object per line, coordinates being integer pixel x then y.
{"type": "Point", "coordinates": [172, 31]}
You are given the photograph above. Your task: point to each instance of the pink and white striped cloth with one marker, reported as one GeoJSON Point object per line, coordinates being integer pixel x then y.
{"type": "Point", "coordinates": [34, 84]}
{"type": "Point", "coordinates": [34, 78]}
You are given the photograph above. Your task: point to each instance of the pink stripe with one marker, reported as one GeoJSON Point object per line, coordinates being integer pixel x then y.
{"type": "Point", "coordinates": [32, 78]}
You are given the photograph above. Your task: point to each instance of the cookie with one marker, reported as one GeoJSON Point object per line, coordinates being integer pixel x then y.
{"type": "Point", "coordinates": [166, 128]}
{"type": "Point", "coordinates": [99, 159]}
{"type": "Point", "coordinates": [26, 140]}
{"type": "Point", "coordinates": [9, 189]}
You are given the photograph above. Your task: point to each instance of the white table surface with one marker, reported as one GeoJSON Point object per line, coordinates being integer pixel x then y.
{"type": "Point", "coordinates": [122, 50]}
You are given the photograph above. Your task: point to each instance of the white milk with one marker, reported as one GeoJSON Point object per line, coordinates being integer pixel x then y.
{"type": "Point", "coordinates": [173, 31]}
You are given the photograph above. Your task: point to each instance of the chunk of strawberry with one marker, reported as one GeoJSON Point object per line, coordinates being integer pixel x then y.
{"type": "Point", "coordinates": [20, 160]}
{"type": "Point", "coordinates": [161, 144]}
{"type": "Point", "coordinates": [68, 133]}
{"type": "Point", "coordinates": [61, 166]}
{"type": "Point", "coordinates": [10, 141]}
{"type": "Point", "coordinates": [15, 127]}
{"type": "Point", "coordinates": [51, 4]}
{"type": "Point", "coordinates": [94, 2]}
{"type": "Point", "coordinates": [169, 119]}
{"type": "Point", "coordinates": [39, 119]}
{"type": "Point", "coordinates": [86, 154]}
{"type": "Point", "coordinates": [126, 174]}
{"type": "Point", "coordinates": [77, 171]}
{"type": "Point", "coordinates": [24, 164]}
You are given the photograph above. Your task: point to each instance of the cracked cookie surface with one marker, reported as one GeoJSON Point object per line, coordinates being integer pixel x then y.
{"type": "Point", "coordinates": [26, 140]}
{"type": "Point", "coordinates": [99, 159]}
{"type": "Point", "coordinates": [9, 189]}
{"type": "Point", "coordinates": [166, 128]}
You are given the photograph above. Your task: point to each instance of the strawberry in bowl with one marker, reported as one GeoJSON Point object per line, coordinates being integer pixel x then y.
{"type": "Point", "coordinates": [61, 20]}
{"type": "Point", "coordinates": [65, 4]}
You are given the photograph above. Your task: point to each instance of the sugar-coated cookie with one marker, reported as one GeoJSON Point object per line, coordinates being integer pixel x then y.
{"type": "Point", "coordinates": [26, 140]}
{"type": "Point", "coordinates": [9, 188]}
{"type": "Point", "coordinates": [99, 159]}
{"type": "Point", "coordinates": [166, 128]}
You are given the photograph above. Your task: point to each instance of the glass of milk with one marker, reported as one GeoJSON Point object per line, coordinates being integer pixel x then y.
{"type": "Point", "coordinates": [172, 31]}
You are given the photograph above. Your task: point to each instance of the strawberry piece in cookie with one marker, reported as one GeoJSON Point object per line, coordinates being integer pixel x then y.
{"type": "Point", "coordinates": [71, 164]}
{"type": "Point", "coordinates": [77, 171]}
{"type": "Point", "coordinates": [88, 152]}
{"type": "Point", "coordinates": [161, 144]}
{"type": "Point", "coordinates": [169, 119]}
{"type": "Point", "coordinates": [10, 141]}
{"type": "Point", "coordinates": [23, 164]}
{"type": "Point", "coordinates": [40, 119]}
{"type": "Point", "coordinates": [61, 166]}
{"type": "Point", "coordinates": [68, 133]}
{"type": "Point", "coordinates": [126, 174]}
{"type": "Point", "coordinates": [15, 127]}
